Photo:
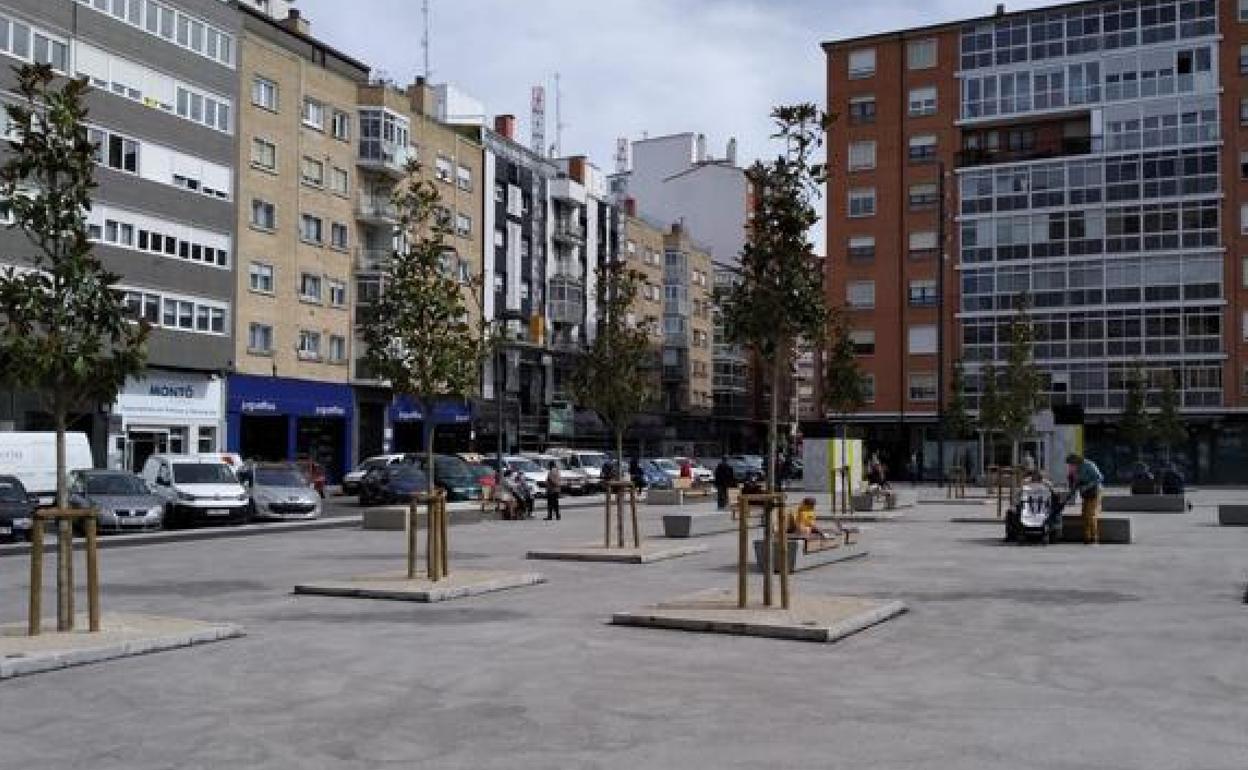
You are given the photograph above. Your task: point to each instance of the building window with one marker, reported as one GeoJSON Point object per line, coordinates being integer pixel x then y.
{"type": "Point", "coordinates": [923, 148]}
{"type": "Point", "coordinates": [264, 93]}
{"type": "Point", "coordinates": [1243, 10]}
{"type": "Point", "coordinates": [442, 168]}
{"type": "Point", "coordinates": [923, 293]}
{"type": "Point", "coordinates": [313, 114]}
{"type": "Point", "coordinates": [860, 295]}
{"type": "Point", "coordinates": [20, 41]}
{"type": "Point", "coordinates": [922, 101]}
{"type": "Point", "coordinates": [337, 349]}
{"type": "Point", "coordinates": [861, 63]}
{"type": "Point", "coordinates": [863, 341]}
{"type": "Point", "coordinates": [337, 294]}
{"type": "Point", "coordinates": [862, 202]}
{"type": "Point", "coordinates": [310, 287]}
{"type": "Point", "coordinates": [862, 109]}
{"type": "Point", "coordinates": [923, 243]}
{"type": "Point", "coordinates": [1243, 111]}
{"type": "Point", "coordinates": [862, 248]}
{"type": "Point", "coordinates": [210, 111]}
{"type": "Point", "coordinates": [311, 229]}
{"type": "Point", "coordinates": [339, 181]}
{"type": "Point", "coordinates": [463, 178]}
{"type": "Point", "coordinates": [921, 54]}
{"type": "Point", "coordinates": [260, 338]}
{"type": "Point", "coordinates": [207, 442]}
{"type": "Point", "coordinates": [340, 125]}
{"type": "Point", "coordinates": [263, 154]}
{"type": "Point", "coordinates": [312, 172]}
{"type": "Point", "coordinates": [868, 388]}
{"type": "Point", "coordinates": [923, 196]}
{"type": "Point", "coordinates": [263, 215]}
{"type": "Point", "coordinates": [923, 387]}
{"type": "Point", "coordinates": [309, 345]}
{"type": "Point", "coordinates": [921, 339]}
{"type": "Point", "coordinates": [861, 156]}
{"type": "Point", "coordinates": [338, 236]}
{"type": "Point", "coordinates": [260, 277]}
{"type": "Point", "coordinates": [463, 225]}
{"type": "Point", "coordinates": [116, 152]}
{"type": "Point", "coordinates": [1243, 219]}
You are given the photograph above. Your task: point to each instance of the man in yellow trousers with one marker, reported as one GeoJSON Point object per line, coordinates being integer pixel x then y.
{"type": "Point", "coordinates": [1087, 478]}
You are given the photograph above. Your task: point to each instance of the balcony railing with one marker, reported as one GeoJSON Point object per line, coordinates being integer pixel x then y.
{"type": "Point", "coordinates": [376, 208]}
{"type": "Point", "coordinates": [372, 260]}
{"type": "Point", "coordinates": [387, 157]}
{"type": "Point", "coordinates": [569, 230]}
{"type": "Point", "coordinates": [985, 156]}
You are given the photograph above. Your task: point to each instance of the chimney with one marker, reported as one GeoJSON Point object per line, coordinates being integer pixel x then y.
{"type": "Point", "coordinates": [699, 153]}
{"type": "Point", "coordinates": [630, 206]}
{"type": "Point", "coordinates": [1000, 9]}
{"type": "Point", "coordinates": [295, 22]}
{"type": "Point", "coordinates": [732, 151]}
{"type": "Point", "coordinates": [576, 168]}
{"type": "Point", "coordinates": [505, 125]}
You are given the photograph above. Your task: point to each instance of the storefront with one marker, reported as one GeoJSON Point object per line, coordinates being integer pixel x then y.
{"type": "Point", "coordinates": [165, 412]}
{"type": "Point", "coordinates": [452, 426]}
{"type": "Point", "coordinates": [275, 418]}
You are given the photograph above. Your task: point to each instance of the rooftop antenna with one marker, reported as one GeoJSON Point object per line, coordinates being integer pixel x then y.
{"type": "Point", "coordinates": [558, 151]}
{"type": "Point", "coordinates": [621, 155]}
{"type": "Point", "coordinates": [424, 41]}
{"type": "Point", "coordinates": [538, 125]}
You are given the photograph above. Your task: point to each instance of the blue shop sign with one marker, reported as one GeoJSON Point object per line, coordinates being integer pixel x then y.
{"type": "Point", "coordinates": [249, 394]}
{"type": "Point", "coordinates": [405, 409]}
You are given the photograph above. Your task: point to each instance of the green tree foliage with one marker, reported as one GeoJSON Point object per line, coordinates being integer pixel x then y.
{"type": "Point", "coordinates": [418, 335]}
{"type": "Point", "coordinates": [64, 328]}
{"type": "Point", "coordinates": [958, 423]}
{"type": "Point", "coordinates": [1021, 384]}
{"type": "Point", "coordinates": [1168, 426]}
{"type": "Point", "coordinates": [779, 298]}
{"type": "Point", "coordinates": [1134, 424]}
{"type": "Point", "coordinates": [844, 385]}
{"type": "Point", "coordinates": [991, 406]}
{"type": "Point", "coordinates": [616, 375]}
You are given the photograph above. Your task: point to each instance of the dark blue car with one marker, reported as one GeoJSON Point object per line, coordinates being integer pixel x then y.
{"type": "Point", "coordinates": [392, 484]}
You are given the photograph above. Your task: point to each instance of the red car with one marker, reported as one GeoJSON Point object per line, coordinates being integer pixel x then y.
{"type": "Point", "coordinates": [314, 473]}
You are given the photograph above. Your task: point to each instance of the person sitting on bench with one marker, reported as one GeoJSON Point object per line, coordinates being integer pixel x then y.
{"type": "Point", "coordinates": [802, 524]}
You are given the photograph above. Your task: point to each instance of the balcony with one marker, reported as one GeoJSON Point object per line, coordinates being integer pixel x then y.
{"type": "Point", "coordinates": [372, 260]}
{"type": "Point", "coordinates": [568, 231]}
{"type": "Point", "coordinates": [389, 158]}
{"type": "Point", "coordinates": [985, 156]}
{"type": "Point", "coordinates": [376, 210]}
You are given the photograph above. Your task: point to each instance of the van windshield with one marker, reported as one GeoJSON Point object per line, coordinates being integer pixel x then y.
{"type": "Point", "coordinates": [203, 473]}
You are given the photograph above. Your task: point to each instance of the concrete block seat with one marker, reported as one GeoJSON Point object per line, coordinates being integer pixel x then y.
{"type": "Point", "coordinates": [1112, 529]}
{"type": "Point", "coordinates": [695, 524]}
{"type": "Point", "coordinates": [807, 552]}
{"type": "Point", "coordinates": [665, 497]}
{"type": "Point", "coordinates": [1233, 515]}
{"type": "Point", "coordinates": [1145, 503]}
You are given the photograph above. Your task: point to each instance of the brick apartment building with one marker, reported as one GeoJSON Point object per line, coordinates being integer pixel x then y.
{"type": "Point", "coordinates": [1085, 155]}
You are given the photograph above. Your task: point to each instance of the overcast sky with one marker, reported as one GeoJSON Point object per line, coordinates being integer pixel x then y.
{"type": "Point", "coordinates": [628, 67]}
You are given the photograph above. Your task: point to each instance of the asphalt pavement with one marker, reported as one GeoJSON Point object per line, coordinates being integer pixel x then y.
{"type": "Point", "coordinates": [1044, 658]}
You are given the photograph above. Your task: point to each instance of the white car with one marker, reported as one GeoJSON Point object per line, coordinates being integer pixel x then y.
{"type": "Point", "coordinates": [701, 474]}
{"type": "Point", "coordinates": [668, 466]}
{"type": "Point", "coordinates": [351, 481]}
{"type": "Point", "coordinates": [574, 481]}
{"type": "Point", "coordinates": [196, 488]}
{"type": "Point", "coordinates": [586, 461]}
{"type": "Point", "coordinates": [534, 475]}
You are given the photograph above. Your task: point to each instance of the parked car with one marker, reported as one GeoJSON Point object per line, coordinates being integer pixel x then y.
{"type": "Point", "coordinates": [351, 481]}
{"type": "Point", "coordinates": [743, 470]}
{"type": "Point", "coordinates": [17, 509]}
{"type": "Point", "coordinates": [700, 474]}
{"type": "Point", "coordinates": [453, 476]}
{"type": "Point", "coordinates": [196, 489]}
{"type": "Point", "coordinates": [574, 481]}
{"type": "Point", "coordinates": [314, 473]}
{"type": "Point", "coordinates": [534, 474]}
{"type": "Point", "coordinates": [588, 462]}
{"type": "Point", "coordinates": [394, 483]}
{"type": "Point", "coordinates": [280, 491]}
{"type": "Point", "coordinates": [122, 501]}
{"type": "Point", "coordinates": [31, 457]}
{"type": "Point", "coordinates": [668, 466]}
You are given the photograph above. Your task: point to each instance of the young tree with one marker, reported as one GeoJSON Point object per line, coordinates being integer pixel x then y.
{"type": "Point", "coordinates": [1134, 424]}
{"type": "Point", "coordinates": [64, 328]}
{"type": "Point", "coordinates": [615, 377]}
{"type": "Point", "coordinates": [957, 422]}
{"type": "Point", "coordinates": [991, 407]}
{"type": "Point", "coordinates": [1020, 382]}
{"type": "Point", "coordinates": [779, 297]}
{"type": "Point", "coordinates": [417, 335]}
{"type": "Point", "coordinates": [1168, 426]}
{"type": "Point", "coordinates": [844, 385]}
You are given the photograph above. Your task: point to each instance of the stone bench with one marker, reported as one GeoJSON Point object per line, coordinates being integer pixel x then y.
{"type": "Point", "coordinates": [890, 501]}
{"type": "Point", "coordinates": [1144, 503]}
{"type": "Point", "coordinates": [394, 517]}
{"type": "Point", "coordinates": [697, 524]}
{"type": "Point", "coordinates": [665, 497]}
{"type": "Point", "coordinates": [1233, 515]}
{"type": "Point", "coordinates": [1112, 529]}
{"type": "Point", "coordinates": [801, 559]}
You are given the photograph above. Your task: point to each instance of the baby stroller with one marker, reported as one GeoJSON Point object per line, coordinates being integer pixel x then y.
{"type": "Point", "coordinates": [1036, 514]}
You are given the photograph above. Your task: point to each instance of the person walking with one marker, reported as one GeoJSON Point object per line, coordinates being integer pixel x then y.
{"type": "Point", "coordinates": [1087, 478]}
{"type": "Point", "coordinates": [554, 481]}
{"type": "Point", "coordinates": [724, 479]}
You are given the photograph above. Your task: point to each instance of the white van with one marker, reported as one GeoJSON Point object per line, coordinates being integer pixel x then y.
{"type": "Point", "coordinates": [31, 456]}
{"type": "Point", "coordinates": [197, 488]}
{"type": "Point", "coordinates": [587, 461]}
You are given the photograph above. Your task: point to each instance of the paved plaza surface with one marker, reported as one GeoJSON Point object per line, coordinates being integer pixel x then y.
{"type": "Point", "coordinates": [1010, 657]}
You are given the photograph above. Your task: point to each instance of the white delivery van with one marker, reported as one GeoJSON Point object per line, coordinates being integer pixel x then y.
{"type": "Point", "coordinates": [31, 456]}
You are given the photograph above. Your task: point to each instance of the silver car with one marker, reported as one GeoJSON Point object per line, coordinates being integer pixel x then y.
{"type": "Point", "coordinates": [122, 500]}
{"type": "Point", "coordinates": [280, 491]}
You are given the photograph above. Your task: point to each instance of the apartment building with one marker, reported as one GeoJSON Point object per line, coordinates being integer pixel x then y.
{"type": "Point", "coordinates": [396, 125]}
{"type": "Point", "coordinates": [163, 111]}
{"type": "Point", "coordinates": [1082, 157]}
{"type": "Point", "coordinates": [290, 395]}
{"type": "Point", "coordinates": [687, 329]}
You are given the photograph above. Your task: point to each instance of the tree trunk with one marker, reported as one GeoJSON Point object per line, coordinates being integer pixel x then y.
{"type": "Point", "coordinates": [620, 472]}
{"type": "Point", "coordinates": [61, 420]}
{"type": "Point", "coordinates": [433, 547]}
{"type": "Point", "coordinates": [773, 424]}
